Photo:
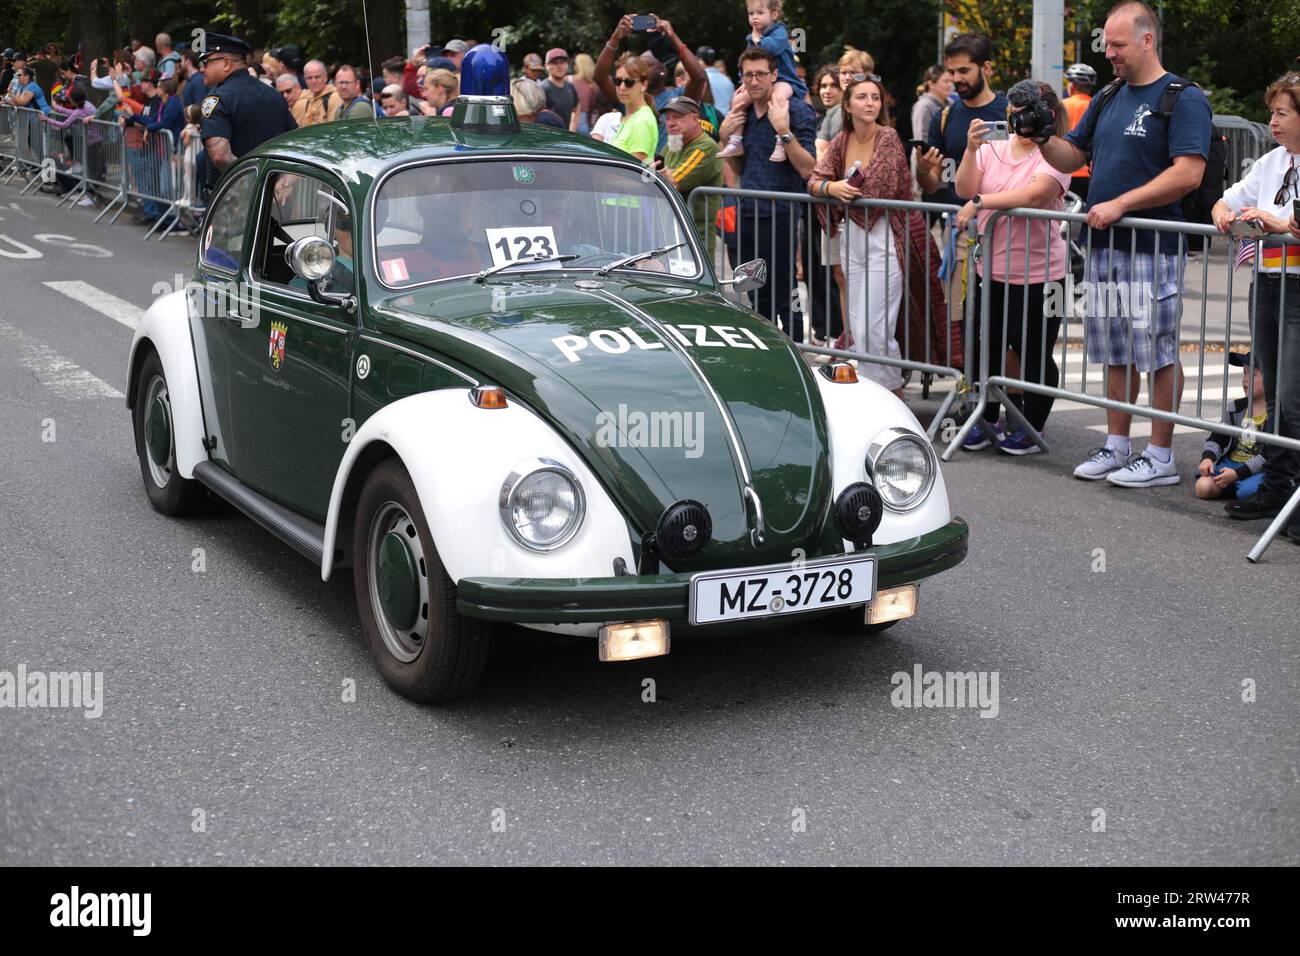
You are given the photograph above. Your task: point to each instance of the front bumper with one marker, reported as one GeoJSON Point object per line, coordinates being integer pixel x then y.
{"type": "Point", "coordinates": [665, 596]}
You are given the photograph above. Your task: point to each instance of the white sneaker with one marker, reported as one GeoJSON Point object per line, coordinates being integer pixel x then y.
{"type": "Point", "coordinates": [1145, 472]}
{"type": "Point", "coordinates": [1100, 464]}
{"type": "Point", "coordinates": [85, 201]}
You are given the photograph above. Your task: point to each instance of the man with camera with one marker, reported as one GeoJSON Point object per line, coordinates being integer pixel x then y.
{"type": "Point", "coordinates": [1143, 164]}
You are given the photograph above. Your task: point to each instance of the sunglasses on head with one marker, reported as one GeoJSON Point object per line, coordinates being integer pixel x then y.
{"type": "Point", "coordinates": [625, 81]}
{"type": "Point", "coordinates": [862, 77]}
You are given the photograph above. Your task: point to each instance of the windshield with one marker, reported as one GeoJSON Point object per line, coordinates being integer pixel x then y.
{"type": "Point", "coordinates": [460, 218]}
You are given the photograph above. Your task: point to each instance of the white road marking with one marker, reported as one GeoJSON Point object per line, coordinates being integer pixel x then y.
{"type": "Point", "coordinates": [65, 378]}
{"type": "Point", "coordinates": [119, 310]}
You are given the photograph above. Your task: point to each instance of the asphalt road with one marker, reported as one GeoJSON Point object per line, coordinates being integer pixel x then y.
{"type": "Point", "coordinates": [1119, 690]}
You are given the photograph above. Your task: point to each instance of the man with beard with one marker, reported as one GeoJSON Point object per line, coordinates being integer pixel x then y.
{"type": "Point", "coordinates": [968, 62]}
{"type": "Point", "coordinates": [691, 159]}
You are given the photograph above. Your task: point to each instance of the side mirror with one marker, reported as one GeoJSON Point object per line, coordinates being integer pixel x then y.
{"type": "Point", "coordinates": [748, 275]}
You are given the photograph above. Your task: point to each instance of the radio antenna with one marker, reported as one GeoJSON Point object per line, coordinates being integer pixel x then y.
{"type": "Point", "coordinates": [370, 63]}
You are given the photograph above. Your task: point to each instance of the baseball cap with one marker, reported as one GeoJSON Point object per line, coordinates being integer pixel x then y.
{"type": "Point", "coordinates": [441, 63]}
{"type": "Point", "coordinates": [707, 55]}
{"type": "Point", "coordinates": [556, 54]}
{"type": "Point", "coordinates": [532, 59]}
{"type": "Point", "coordinates": [1239, 359]}
{"type": "Point", "coordinates": [455, 46]}
{"type": "Point", "coordinates": [683, 104]}
{"type": "Point", "coordinates": [18, 55]}
{"type": "Point", "coordinates": [9, 53]}
{"type": "Point", "coordinates": [290, 55]}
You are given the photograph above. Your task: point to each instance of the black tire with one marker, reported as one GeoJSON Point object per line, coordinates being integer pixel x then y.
{"type": "Point", "coordinates": [168, 492]}
{"type": "Point", "coordinates": [450, 650]}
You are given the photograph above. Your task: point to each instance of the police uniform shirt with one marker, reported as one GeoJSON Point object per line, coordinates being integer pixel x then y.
{"type": "Point", "coordinates": [245, 111]}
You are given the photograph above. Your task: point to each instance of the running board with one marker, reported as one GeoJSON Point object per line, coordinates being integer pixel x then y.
{"type": "Point", "coordinates": [302, 534]}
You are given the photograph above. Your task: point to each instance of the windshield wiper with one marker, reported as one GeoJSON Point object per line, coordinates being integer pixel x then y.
{"type": "Point", "coordinates": [637, 257]}
{"type": "Point", "coordinates": [526, 260]}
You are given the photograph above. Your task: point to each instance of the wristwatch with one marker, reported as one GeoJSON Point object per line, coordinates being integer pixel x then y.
{"type": "Point", "coordinates": [977, 201]}
{"type": "Point", "coordinates": [785, 137]}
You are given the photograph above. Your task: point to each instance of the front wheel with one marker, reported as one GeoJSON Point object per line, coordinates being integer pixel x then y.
{"type": "Point", "coordinates": [424, 648]}
{"type": "Point", "coordinates": [155, 444]}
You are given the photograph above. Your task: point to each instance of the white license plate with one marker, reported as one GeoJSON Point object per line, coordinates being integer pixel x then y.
{"type": "Point", "coordinates": [782, 589]}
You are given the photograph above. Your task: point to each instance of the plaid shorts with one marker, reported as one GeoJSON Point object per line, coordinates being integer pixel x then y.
{"type": "Point", "coordinates": [1123, 300]}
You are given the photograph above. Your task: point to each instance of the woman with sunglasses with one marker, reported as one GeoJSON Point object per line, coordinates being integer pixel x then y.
{"type": "Point", "coordinates": [26, 92]}
{"type": "Point", "coordinates": [1266, 195]}
{"type": "Point", "coordinates": [638, 134]}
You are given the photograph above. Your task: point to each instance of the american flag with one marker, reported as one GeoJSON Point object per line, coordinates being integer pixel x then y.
{"type": "Point", "coordinates": [1245, 251]}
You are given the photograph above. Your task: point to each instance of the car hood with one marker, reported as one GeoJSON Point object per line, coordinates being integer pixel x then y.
{"type": "Point", "coordinates": [631, 373]}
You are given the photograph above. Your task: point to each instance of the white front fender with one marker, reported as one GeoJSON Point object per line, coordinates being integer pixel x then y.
{"type": "Point", "coordinates": [855, 414]}
{"type": "Point", "coordinates": [166, 326]}
{"type": "Point", "coordinates": [458, 456]}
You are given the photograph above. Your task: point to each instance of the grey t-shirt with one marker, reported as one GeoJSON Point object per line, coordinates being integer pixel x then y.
{"type": "Point", "coordinates": [831, 124]}
{"type": "Point", "coordinates": [562, 100]}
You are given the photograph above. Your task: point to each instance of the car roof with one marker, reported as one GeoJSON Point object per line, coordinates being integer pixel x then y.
{"type": "Point", "coordinates": [356, 147]}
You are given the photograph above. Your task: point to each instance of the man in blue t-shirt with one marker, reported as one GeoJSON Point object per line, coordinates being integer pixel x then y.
{"type": "Point", "coordinates": [968, 60]}
{"type": "Point", "coordinates": [1142, 166]}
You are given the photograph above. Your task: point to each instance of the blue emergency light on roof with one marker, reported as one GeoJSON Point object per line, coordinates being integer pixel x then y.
{"type": "Point", "coordinates": [484, 104]}
{"type": "Point", "coordinates": [484, 71]}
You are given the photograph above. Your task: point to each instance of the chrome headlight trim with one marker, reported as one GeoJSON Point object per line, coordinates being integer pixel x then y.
{"type": "Point", "coordinates": [518, 474]}
{"type": "Point", "coordinates": [885, 440]}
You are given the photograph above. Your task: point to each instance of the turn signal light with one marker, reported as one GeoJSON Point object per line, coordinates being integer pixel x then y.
{"type": "Point", "coordinates": [487, 396]}
{"type": "Point", "coordinates": [841, 372]}
{"type": "Point", "coordinates": [630, 642]}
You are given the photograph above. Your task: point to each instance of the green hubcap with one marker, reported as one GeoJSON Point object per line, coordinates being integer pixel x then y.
{"type": "Point", "coordinates": [158, 432]}
{"type": "Point", "coordinates": [399, 586]}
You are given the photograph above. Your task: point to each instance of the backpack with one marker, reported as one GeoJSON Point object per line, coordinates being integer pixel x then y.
{"type": "Point", "coordinates": [1197, 204]}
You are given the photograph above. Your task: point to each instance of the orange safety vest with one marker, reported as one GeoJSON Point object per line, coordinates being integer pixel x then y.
{"type": "Point", "coordinates": [1075, 107]}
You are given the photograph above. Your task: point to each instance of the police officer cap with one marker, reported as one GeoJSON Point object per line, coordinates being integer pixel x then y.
{"type": "Point", "coordinates": [220, 43]}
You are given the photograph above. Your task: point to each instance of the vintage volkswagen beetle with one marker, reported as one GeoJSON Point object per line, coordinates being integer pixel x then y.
{"type": "Point", "coordinates": [368, 364]}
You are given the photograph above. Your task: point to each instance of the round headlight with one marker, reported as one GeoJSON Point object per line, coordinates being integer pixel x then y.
{"type": "Point", "coordinates": [541, 504]}
{"type": "Point", "coordinates": [902, 467]}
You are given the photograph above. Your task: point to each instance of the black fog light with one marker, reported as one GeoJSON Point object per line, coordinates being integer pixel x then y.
{"type": "Point", "coordinates": [858, 511]}
{"type": "Point", "coordinates": [684, 529]}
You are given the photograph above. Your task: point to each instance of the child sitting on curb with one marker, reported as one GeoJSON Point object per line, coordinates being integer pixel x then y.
{"type": "Point", "coordinates": [1235, 466]}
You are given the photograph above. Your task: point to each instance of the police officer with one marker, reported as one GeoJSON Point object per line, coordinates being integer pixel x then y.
{"type": "Point", "coordinates": [239, 112]}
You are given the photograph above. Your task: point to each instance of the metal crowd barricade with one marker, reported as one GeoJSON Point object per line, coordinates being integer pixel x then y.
{"type": "Point", "coordinates": [1138, 300]}
{"type": "Point", "coordinates": [792, 231]}
{"type": "Point", "coordinates": [105, 172]}
{"type": "Point", "coordinates": [8, 123]}
{"type": "Point", "coordinates": [29, 144]}
{"type": "Point", "coordinates": [149, 161]}
{"type": "Point", "coordinates": [103, 158]}
{"type": "Point", "coordinates": [1247, 141]}
{"type": "Point", "coordinates": [186, 170]}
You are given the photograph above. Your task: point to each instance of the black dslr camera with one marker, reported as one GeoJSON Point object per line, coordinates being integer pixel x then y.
{"type": "Point", "coordinates": [1034, 119]}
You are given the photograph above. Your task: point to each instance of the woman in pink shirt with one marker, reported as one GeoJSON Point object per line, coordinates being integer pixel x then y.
{"type": "Point", "coordinates": [1008, 174]}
